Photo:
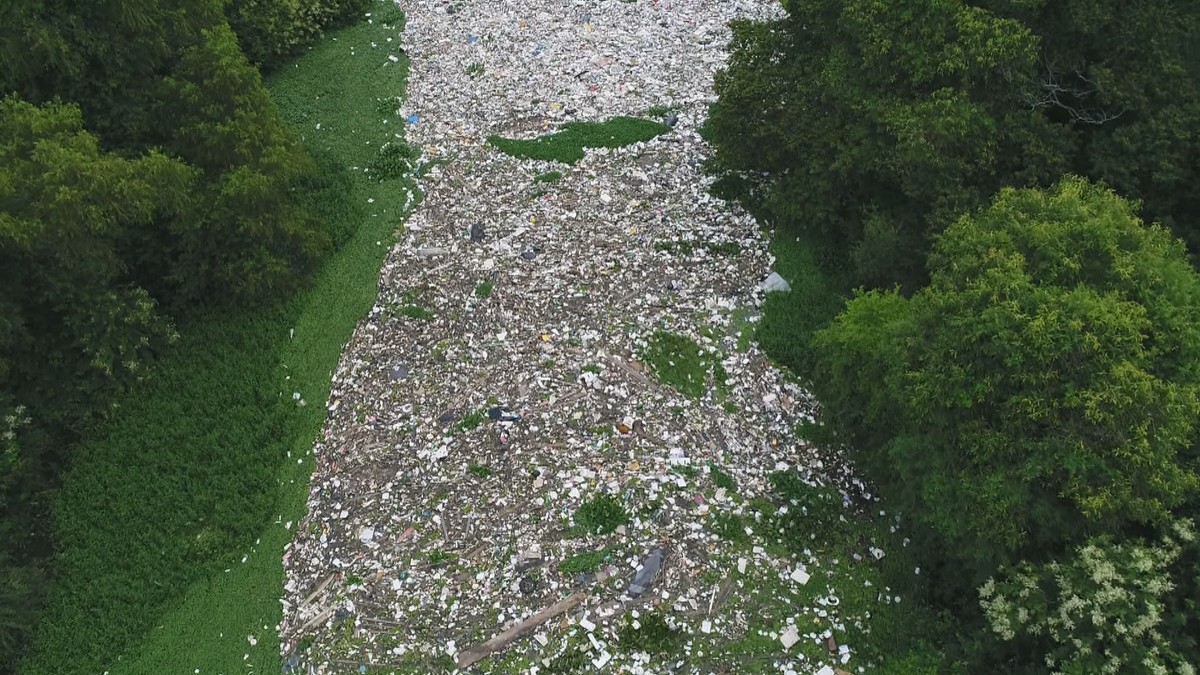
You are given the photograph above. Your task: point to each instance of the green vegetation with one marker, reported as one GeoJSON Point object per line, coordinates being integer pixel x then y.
{"type": "Point", "coordinates": [842, 125]}
{"type": "Point", "coordinates": [480, 470]}
{"type": "Point", "coordinates": [1017, 373]}
{"type": "Point", "coordinates": [439, 557]}
{"type": "Point", "coordinates": [411, 312]}
{"type": "Point", "coordinates": [548, 177]}
{"type": "Point", "coordinates": [567, 145]}
{"type": "Point", "coordinates": [648, 633]}
{"type": "Point", "coordinates": [601, 514]}
{"type": "Point", "coordinates": [471, 420]}
{"type": "Point", "coordinates": [729, 526]}
{"type": "Point", "coordinates": [678, 361]}
{"type": "Point", "coordinates": [721, 479]}
{"type": "Point", "coordinates": [272, 32]}
{"type": "Point", "coordinates": [483, 291]}
{"type": "Point", "coordinates": [1089, 376]}
{"type": "Point", "coordinates": [146, 181]}
{"type": "Point", "coordinates": [220, 445]}
{"type": "Point", "coordinates": [474, 69]}
{"type": "Point", "coordinates": [586, 562]}
{"type": "Point", "coordinates": [660, 110]}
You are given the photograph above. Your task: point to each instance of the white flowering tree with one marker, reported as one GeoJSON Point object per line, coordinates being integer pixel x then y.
{"type": "Point", "coordinates": [1101, 611]}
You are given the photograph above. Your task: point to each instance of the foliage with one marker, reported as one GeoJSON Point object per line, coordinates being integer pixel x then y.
{"type": "Point", "coordinates": [863, 125]}
{"type": "Point", "coordinates": [567, 145]}
{"type": "Point", "coordinates": [272, 31]}
{"type": "Point", "coordinates": [1122, 80]}
{"type": "Point", "coordinates": [210, 437]}
{"type": "Point", "coordinates": [601, 514]}
{"type": "Point", "coordinates": [255, 240]}
{"type": "Point", "coordinates": [394, 160]}
{"type": "Point", "coordinates": [649, 633]}
{"type": "Point", "coordinates": [1101, 611]}
{"type": "Point", "coordinates": [585, 562]}
{"type": "Point", "coordinates": [1043, 387]}
{"type": "Point", "coordinates": [78, 331]}
{"type": "Point", "coordinates": [867, 126]}
{"type": "Point", "coordinates": [721, 479]}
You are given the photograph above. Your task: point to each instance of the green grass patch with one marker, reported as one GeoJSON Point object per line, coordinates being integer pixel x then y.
{"type": "Point", "coordinates": [483, 291]}
{"type": "Point", "coordinates": [678, 361]}
{"type": "Point", "coordinates": [660, 110]}
{"type": "Point", "coordinates": [586, 562]}
{"type": "Point", "coordinates": [480, 470]}
{"type": "Point", "coordinates": [729, 526]}
{"type": "Point", "coordinates": [649, 633]}
{"type": "Point", "coordinates": [548, 177]}
{"type": "Point", "coordinates": [471, 421]}
{"type": "Point", "coordinates": [205, 466]}
{"type": "Point", "coordinates": [410, 312]}
{"type": "Point", "coordinates": [567, 144]}
{"type": "Point", "coordinates": [439, 557]}
{"type": "Point", "coordinates": [721, 479]}
{"type": "Point", "coordinates": [601, 514]}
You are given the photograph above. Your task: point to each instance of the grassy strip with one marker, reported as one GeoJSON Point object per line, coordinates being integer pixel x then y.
{"type": "Point", "coordinates": [567, 145]}
{"type": "Point", "coordinates": [790, 319]}
{"type": "Point", "coordinates": [181, 482]}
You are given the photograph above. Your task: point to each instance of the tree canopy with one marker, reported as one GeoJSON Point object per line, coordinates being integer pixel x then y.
{"type": "Point", "coordinates": [1037, 401]}
{"type": "Point", "coordinates": [144, 173]}
{"type": "Point", "coordinates": [1044, 386]}
{"type": "Point", "coordinates": [869, 126]}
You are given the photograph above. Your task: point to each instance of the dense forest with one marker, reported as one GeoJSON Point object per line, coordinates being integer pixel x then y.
{"type": "Point", "coordinates": [145, 176]}
{"type": "Point", "coordinates": [1001, 314]}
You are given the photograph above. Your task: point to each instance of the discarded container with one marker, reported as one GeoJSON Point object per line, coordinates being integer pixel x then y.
{"type": "Point", "coordinates": [775, 283]}
{"type": "Point", "coordinates": [646, 572]}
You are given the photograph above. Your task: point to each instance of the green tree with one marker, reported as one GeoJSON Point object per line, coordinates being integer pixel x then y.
{"type": "Point", "coordinates": [1123, 79]}
{"type": "Point", "coordinates": [1044, 387]}
{"type": "Point", "coordinates": [255, 239]}
{"type": "Point", "coordinates": [863, 125]}
{"type": "Point", "coordinates": [868, 126]}
{"type": "Point", "coordinates": [74, 329]}
{"type": "Point", "coordinates": [270, 31]}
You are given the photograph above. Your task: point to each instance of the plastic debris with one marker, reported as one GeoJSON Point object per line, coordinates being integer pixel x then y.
{"type": "Point", "coordinates": [775, 284]}
{"type": "Point", "coordinates": [646, 572]}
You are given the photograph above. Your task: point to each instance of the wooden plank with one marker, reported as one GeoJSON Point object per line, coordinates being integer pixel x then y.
{"type": "Point", "coordinates": [473, 655]}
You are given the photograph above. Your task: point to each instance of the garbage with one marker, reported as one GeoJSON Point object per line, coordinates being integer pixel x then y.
{"type": "Point", "coordinates": [646, 572]}
{"type": "Point", "coordinates": [775, 284]}
{"type": "Point", "coordinates": [503, 414]}
{"type": "Point", "coordinates": [789, 637]}
{"type": "Point", "coordinates": [468, 439]}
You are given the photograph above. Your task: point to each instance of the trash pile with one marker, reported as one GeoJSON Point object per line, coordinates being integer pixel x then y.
{"type": "Point", "coordinates": [557, 390]}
